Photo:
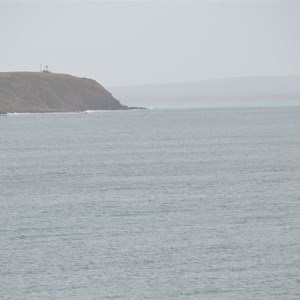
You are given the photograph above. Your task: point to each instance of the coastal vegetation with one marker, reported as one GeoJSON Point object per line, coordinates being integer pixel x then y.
{"type": "Point", "coordinates": [52, 92]}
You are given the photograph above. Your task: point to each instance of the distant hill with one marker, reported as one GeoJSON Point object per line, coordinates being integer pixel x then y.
{"type": "Point", "coordinates": [276, 90]}
{"type": "Point", "coordinates": [50, 92]}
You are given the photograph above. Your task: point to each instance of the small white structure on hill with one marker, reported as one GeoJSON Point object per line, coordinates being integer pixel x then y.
{"type": "Point", "coordinates": [44, 69]}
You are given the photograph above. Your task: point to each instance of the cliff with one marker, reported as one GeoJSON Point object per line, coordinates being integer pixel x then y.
{"type": "Point", "coordinates": [51, 92]}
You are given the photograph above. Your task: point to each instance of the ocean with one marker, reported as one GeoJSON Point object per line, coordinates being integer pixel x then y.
{"type": "Point", "coordinates": [151, 204]}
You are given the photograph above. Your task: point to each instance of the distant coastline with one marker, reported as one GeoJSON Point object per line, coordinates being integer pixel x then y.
{"type": "Point", "coordinates": [230, 92]}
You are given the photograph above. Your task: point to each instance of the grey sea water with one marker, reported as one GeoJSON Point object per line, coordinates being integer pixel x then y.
{"type": "Point", "coordinates": [155, 204]}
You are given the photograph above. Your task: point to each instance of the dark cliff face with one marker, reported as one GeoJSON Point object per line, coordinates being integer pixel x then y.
{"type": "Point", "coordinates": [50, 92]}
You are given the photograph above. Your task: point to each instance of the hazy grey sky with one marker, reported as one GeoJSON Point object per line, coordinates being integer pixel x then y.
{"type": "Point", "coordinates": [127, 43]}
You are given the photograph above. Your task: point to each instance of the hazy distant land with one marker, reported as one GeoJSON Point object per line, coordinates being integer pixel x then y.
{"type": "Point", "coordinates": [50, 92]}
{"type": "Point", "coordinates": [247, 91]}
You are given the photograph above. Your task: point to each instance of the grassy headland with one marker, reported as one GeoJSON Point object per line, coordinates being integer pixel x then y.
{"type": "Point", "coordinates": [51, 92]}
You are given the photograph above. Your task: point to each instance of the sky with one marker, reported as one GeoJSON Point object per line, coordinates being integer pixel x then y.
{"type": "Point", "coordinates": [122, 43]}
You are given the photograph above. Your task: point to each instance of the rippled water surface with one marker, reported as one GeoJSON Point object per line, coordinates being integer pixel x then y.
{"type": "Point", "coordinates": [155, 204]}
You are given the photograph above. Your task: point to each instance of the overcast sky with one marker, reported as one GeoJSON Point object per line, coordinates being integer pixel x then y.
{"type": "Point", "coordinates": [128, 43]}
